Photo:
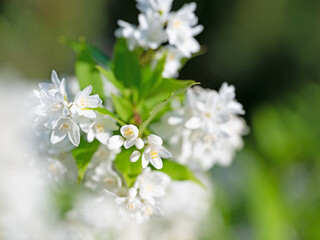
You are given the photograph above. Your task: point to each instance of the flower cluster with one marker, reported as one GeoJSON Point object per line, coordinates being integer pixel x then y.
{"type": "Point", "coordinates": [63, 118]}
{"type": "Point", "coordinates": [158, 25]}
{"type": "Point", "coordinates": [141, 200]}
{"type": "Point", "coordinates": [207, 128]}
{"type": "Point", "coordinates": [127, 134]}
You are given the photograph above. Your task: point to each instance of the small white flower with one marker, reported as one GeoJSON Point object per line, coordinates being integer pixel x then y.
{"type": "Point", "coordinates": [129, 32]}
{"type": "Point", "coordinates": [152, 184]}
{"type": "Point", "coordinates": [64, 127]}
{"type": "Point", "coordinates": [152, 32]}
{"type": "Point", "coordinates": [55, 86]}
{"type": "Point", "coordinates": [100, 128]}
{"type": "Point", "coordinates": [161, 7]}
{"type": "Point", "coordinates": [130, 135]}
{"type": "Point", "coordinates": [131, 205]}
{"type": "Point", "coordinates": [154, 151]}
{"type": "Point", "coordinates": [173, 62]}
{"type": "Point", "coordinates": [52, 108]}
{"type": "Point", "coordinates": [182, 28]}
{"type": "Point", "coordinates": [84, 100]}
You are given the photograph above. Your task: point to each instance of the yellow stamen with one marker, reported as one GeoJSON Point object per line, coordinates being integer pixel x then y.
{"type": "Point", "coordinates": [128, 132]}
{"type": "Point", "coordinates": [154, 154]}
{"type": "Point", "coordinates": [177, 24]}
{"type": "Point", "coordinates": [100, 128]}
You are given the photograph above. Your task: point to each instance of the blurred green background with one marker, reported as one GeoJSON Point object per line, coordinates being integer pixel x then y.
{"type": "Point", "coordinates": [270, 50]}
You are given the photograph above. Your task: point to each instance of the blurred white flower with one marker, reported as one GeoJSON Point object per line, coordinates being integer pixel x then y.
{"type": "Point", "coordinates": [161, 7]}
{"type": "Point", "coordinates": [181, 29]}
{"type": "Point", "coordinates": [129, 32]}
{"type": "Point", "coordinates": [206, 130]}
{"type": "Point", "coordinates": [154, 151]}
{"type": "Point", "coordinates": [131, 205]}
{"type": "Point", "coordinates": [151, 31]}
{"type": "Point", "coordinates": [152, 184]}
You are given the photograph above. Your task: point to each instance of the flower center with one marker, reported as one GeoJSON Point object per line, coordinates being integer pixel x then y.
{"type": "Point", "coordinates": [171, 57]}
{"type": "Point", "coordinates": [64, 127]}
{"type": "Point", "coordinates": [154, 154]}
{"type": "Point", "coordinates": [128, 132]}
{"type": "Point", "coordinates": [83, 102]}
{"type": "Point", "coordinates": [56, 106]}
{"type": "Point", "coordinates": [207, 114]}
{"type": "Point", "coordinates": [100, 128]}
{"type": "Point", "coordinates": [177, 24]}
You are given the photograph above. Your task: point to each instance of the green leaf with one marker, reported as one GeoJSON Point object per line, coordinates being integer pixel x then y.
{"type": "Point", "coordinates": [151, 78]}
{"type": "Point", "coordinates": [179, 172]}
{"type": "Point", "coordinates": [104, 111]}
{"type": "Point", "coordinates": [83, 154]}
{"type": "Point", "coordinates": [129, 170]}
{"type": "Point", "coordinates": [123, 107]}
{"type": "Point", "coordinates": [111, 77]}
{"type": "Point", "coordinates": [87, 73]}
{"type": "Point", "coordinates": [160, 106]}
{"type": "Point", "coordinates": [126, 66]}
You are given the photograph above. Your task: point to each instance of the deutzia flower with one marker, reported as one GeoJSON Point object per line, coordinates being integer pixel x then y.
{"type": "Point", "coordinates": [100, 128]}
{"type": "Point", "coordinates": [152, 184]}
{"type": "Point", "coordinates": [129, 32]}
{"type": "Point", "coordinates": [154, 151]}
{"type": "Point", "coordinates": [130, 135]}
{"type": "Point", "coordinates": [66, 126]}
{"type": "Point", "coordinates": [84, 100]}
{"type": "Point", "coordinates": [55, 86]}
{"type": "Point", "coordinates": [152, 33]}
{"type": "Point", "coordinates": [173, 61]}
{"type": "Point", "coordinates": [161, 7]}
{"type": "Point", "coordinates": [52, 108]}
{"type": "Point", "coordinates": [182, 28]}
{"type": "Point", "coordinates": [131, 205]}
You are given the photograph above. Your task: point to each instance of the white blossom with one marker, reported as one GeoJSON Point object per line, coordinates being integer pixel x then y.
{"type": "Point", "coordinates": [181, 29]}
{"type": "Point", "coordinates": [130, 137]}
{"type": "Point", "coordinates": [66, 127]}
{"type": "Point", "coordinates": [84, 100]}
{"type": "Point", "coordinates": [151, 185]}
{"type": "Point", "coordinates": [154, 151]}
{"type": "Point", "coordinates": [100, 128]}
{"type": "Point", "coordinates": [129, 32]}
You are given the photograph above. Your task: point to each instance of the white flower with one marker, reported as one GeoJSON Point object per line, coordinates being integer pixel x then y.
{"type": "Point", "coordinates": [151, 31]}
{"type": "Point", "coordinates": [55, 86]}
{"type": "Point", "coordinates": [173, 62]}
{"type": "Point", "coordinates": [84, 100]}
{"type": "Point", "coordinates": [131, 205]}
{"type": "Point", "coordinates": [100, 128]}
{"type": "Point", "coordinates": [210, 109]}
{"type": "Point", "coordinates": [161, 7]}
{"type": "Point", "coordinates": [152, 184]}
{"type": "Point", "coordinates": [52, 108]}
{"type": "Point", "coordinates": [130, 133]}
{"type": "Point", "coordinates": [182, 28]}
{"type": "Point", "coordinates": [154, 151]}
{"type": "Point", "coordinates": [129, 32]}
{"type": "Point", "coordinates": [66, 126]}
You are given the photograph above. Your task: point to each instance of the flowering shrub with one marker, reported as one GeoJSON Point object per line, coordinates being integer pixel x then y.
{"type": "Point", "coordinates": [132, 128]}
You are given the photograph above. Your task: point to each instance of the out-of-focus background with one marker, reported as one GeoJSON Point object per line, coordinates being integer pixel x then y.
{"type": "Point", "coordinates": [270, 50]}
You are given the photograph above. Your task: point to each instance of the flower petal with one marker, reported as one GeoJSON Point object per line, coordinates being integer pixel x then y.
{"type": "Point", "coordinates": [129, 131]}
{"type": "Point", "coordinates": [129, 142]}
{"type": "Point", "coordinates": [154, 140]}
{"type": "Point", "coordinates": [163, 152]}
{"type": "Point", "coordinates": [115, 142]}
{"type": "Point", "coordinates": [139, 143]}
{"type": "Point", "coordinates": [135, 156]}
{"type": "Point", "coordinates": [156, 162]}
{"type": "Point", "coordinates": [57, 135]}
{"type": "Point", "coordinates": [74, 133]}
{"type": "Point", "coordinates": [193, 123]}
{"type": "Point", "coordinates": [145, 159]}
